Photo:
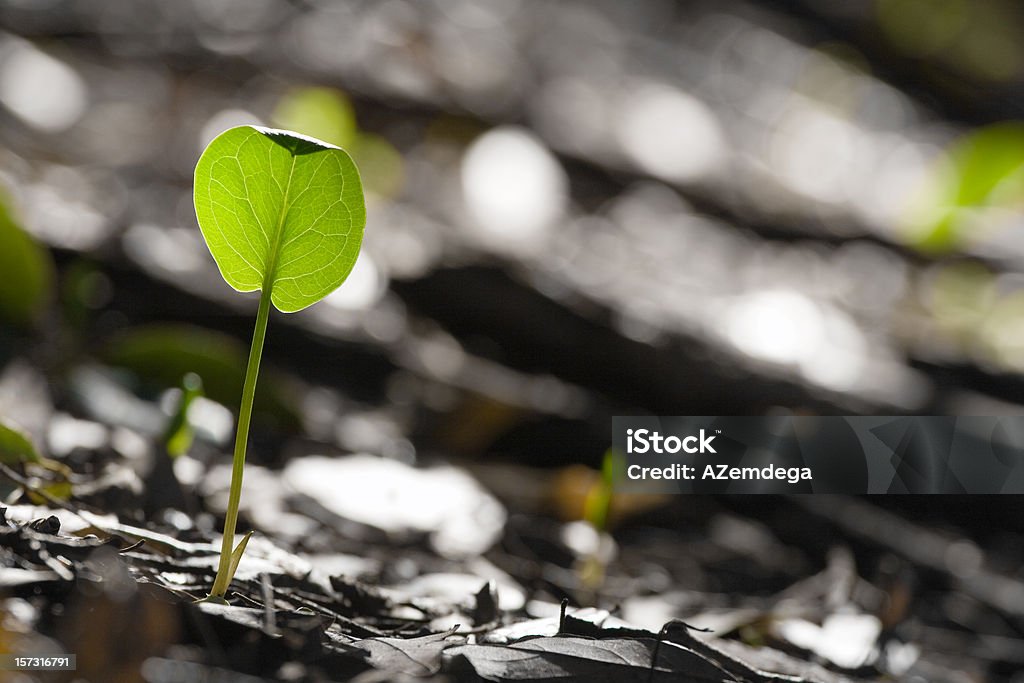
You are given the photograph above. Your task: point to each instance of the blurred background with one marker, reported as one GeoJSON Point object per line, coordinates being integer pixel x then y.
{"type": "Point", "coordinates": [576, 210]}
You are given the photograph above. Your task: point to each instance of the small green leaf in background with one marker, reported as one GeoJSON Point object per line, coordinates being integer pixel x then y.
{"type": "Point", "coordinates": [15, 446]}
{"type": "Point", "coordinates": [598, 503]}
{"type": "Point", "coordinates": [26, 272]}
{"type": "Point", "coordinates": [381, 165]}
{"type": "Point", "coordinates": [327, 114]}
{"type": "Point", "coordinates": [280, 212]}
{"type": "Point", "coordinates": [17, 450]}
{"type": "Point", "coordinates": [322, 113]}
{"type": "Point", "coordinates": [161, 354]}
{"type": "Point", "coordinates": [984, 170]}
{"type": "Point", "coordinates": [179, 433]}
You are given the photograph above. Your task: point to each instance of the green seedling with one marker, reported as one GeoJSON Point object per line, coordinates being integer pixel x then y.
{"type": "Point", "coordinates": [283, 214]}
{"type": "Point", "coordinates": [179, 434]}
{"type": "Point", "coordinates": [598, 504]}
{"type": "Point", "coordinates": [596, 511]}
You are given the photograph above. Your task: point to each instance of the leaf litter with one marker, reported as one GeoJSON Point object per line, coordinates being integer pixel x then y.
{"type": "Point", "coordinates": [337, 586]}
{"type": "Point", "coordinates": [283, 612]}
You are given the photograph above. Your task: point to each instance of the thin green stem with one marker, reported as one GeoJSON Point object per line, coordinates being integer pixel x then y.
{"type": "Point", "coordinates": [220, 583]}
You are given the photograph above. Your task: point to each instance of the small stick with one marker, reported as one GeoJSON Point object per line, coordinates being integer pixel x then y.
{"type": "Point", "coordinates": [267, 589]}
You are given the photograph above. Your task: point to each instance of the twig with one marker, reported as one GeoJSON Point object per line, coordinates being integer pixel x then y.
{"type": "Point", "coordinates": [267, 589]}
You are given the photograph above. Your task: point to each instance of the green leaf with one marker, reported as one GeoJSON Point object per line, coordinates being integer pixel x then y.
{"type": "Point", "coordinates": [15, 446]}
{"type": "Point", "coordinates": [380, 164]}
{"type": "Point", "coordinates": [984, 169]}
{"type": "Point", "coordinates": [28, 273]}
{"type": "Point", "coordinates": [323, 113]}
{"type": "Point", "coordinates": [179, 433]}
{"type": "Point", "coordinates": [162, 353]}
{"type": "Point", "coordinates": [236, 556]}
{"type": "Point", "coordinates": [17, 449]}
{"type": "Point", "coordinates": [280, 212]}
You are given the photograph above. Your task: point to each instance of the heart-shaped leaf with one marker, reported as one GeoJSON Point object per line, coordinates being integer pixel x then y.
{"type": "Point", "coordinates": [280, 212]}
